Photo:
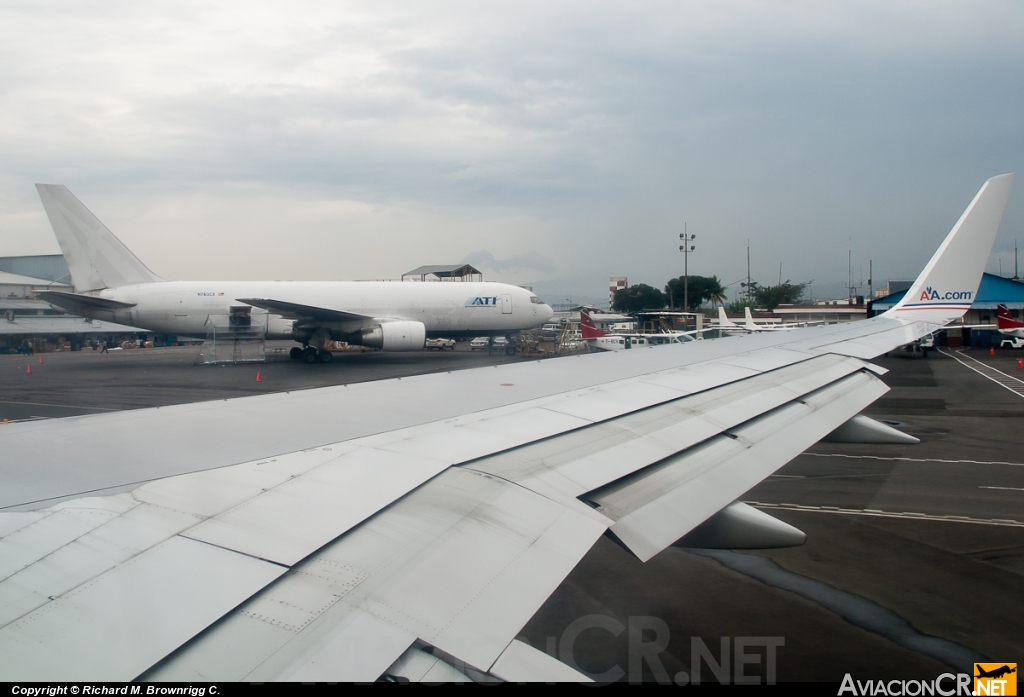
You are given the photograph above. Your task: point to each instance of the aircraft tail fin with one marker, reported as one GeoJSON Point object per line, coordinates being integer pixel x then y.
{"type": "Point", "coordinates": [1005, 320]}
{"type": "Point", "coordinates": [949, 283]}
{"type": "Point", "coordinates": [588, 329]}
{"type": "Point", "coordinates": [95, 257]}
{"type": "Point", "coordinates": [723, 319]}
{"type": "Point", "coordinates": [748, 319]}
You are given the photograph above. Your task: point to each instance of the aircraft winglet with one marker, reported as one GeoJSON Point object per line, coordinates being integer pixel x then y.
{"type": "Point", "coordinates": [949, 283]}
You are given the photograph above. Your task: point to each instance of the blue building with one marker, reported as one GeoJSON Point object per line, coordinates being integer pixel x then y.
{"type": "Point", "coordinates": [993, 291]}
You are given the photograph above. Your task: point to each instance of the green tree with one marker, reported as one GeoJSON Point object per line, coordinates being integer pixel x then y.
{"type": "Point", "coordinates": [736, 306]}
{"type": "Point", "coordinates": [702, 289]}
{"type": "Point", "coordinates": [771, 297]}
{"type": "Point", "coordinates": [637, 298]}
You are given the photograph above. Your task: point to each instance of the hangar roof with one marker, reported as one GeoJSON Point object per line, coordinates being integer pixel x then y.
{"type": "Point", "coordinates": [444, 271]}
{"type": "Point", "coordinates": [15, 279]}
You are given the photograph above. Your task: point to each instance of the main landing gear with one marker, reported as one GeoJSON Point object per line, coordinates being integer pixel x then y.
{"type": "Point", "coordinates": [310, 355]}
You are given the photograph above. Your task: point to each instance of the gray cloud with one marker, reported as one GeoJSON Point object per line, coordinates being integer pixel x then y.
{"type": "Point", "coordinates": [351, 140]}
{"type": "Point", "coordinates": [530, 261]}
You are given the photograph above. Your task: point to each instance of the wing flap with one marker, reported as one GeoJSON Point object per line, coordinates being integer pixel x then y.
{"type": "Point", "coordinates": [118, 625]}
{"type": "Point", "coordinates": [70, 565]}
{"type": "Point", "coordinates": [521, 662]}
{"type": "Point", "coordinates": [590, 458]}
{"type": "Point", "coordinates": [655, 508]}
{"type": "Point", "coordinates": [293, 519]}
{"type": "Point", "coordinates": [511, 548]}
{"type": "Point", "coordinates": [45, 534]}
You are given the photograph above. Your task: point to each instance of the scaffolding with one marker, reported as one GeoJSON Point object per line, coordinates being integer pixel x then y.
{"type": "Point", "coordinates": [238, 337]}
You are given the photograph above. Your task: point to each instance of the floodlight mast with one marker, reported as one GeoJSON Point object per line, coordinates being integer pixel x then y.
{"type": "Point", "coordinates": [686, 248]}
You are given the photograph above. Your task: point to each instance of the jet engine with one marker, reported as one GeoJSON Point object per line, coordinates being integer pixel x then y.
{"type": "Point", "coordinates": [395, 336]}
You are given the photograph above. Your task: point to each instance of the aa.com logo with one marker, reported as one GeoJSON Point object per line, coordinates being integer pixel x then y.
{"type": "Point", "coordinates": [995, 679]}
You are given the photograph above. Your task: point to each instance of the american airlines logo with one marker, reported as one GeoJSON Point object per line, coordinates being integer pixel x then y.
{"type": "Point", "coordinates": [482, 302]}
{"type": "Point", "coordinates": [932, 294]}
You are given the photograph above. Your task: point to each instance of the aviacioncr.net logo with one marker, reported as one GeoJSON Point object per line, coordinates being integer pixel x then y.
{"type": "Point", "coordinates": [932, 294]}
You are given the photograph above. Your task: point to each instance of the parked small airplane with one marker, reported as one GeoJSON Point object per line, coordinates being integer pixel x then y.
{"type": "Point", "coordinates": [112, 284]}
{"type": "Point", "coordinates": [600, 340]}
{"type": "Point", "coordinates": [750, 326]}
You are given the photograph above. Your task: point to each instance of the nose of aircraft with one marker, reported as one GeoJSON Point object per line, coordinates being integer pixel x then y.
{"type": "Point", "coordinates": [547, 312]}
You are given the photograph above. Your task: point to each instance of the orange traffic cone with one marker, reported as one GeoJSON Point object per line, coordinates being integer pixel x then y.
{"type": "Point", "coordinates": [1020, 362]}
{"type": "Point", "coordinates": [258, 378]}
{"type": "Point", "coordinates": [30, 370]}
{"type": "Point", "coordinates": [991, 350]}
{"type": "Point", "coordinates": [40, 360]}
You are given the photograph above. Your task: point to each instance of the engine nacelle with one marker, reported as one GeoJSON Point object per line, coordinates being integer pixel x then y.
{"type": "Point", "coordinates": [395, 336]}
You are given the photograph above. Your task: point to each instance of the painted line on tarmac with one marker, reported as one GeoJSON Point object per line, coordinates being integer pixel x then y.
{"type": "Point", "coordinates": [1015, 385]}
{"type": "Point", "coordinates": [875, 513]}
{"type": "Point", "coordinates": [1003, 488]}
{"type": "Point", "coordinates": [63, 406]}
{"type": "Point", "coordinates": [27, 418]}
{"type": "Point", "coordinates": [914, 459]}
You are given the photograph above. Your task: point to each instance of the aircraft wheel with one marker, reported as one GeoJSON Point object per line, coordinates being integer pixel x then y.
{"type": "Point", "coordinates": [325, 356]}
{"type": "Point", "coordinates": [309, 354]}
{"type": "Point", "coordinates": [295, 354]}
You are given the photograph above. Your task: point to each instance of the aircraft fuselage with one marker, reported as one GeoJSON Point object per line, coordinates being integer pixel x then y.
{"type": "Point", "coordinates": [447, 309]}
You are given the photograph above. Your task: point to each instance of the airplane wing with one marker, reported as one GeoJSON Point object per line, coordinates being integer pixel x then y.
{"type": "Point", "coordinates": [297, 311]}
{"type": "Point", "coordinates": [355, 532]}
{"type": "Point", "coordinates": [82, 304]}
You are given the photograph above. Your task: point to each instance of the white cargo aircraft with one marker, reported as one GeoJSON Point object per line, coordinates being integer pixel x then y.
{"type": "Point", "coordinates": [410, 528]}
{"type": "Point", "coordinates": [111, 283]}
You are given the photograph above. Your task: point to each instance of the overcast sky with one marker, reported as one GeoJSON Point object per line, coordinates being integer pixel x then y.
{"type": "Point", "coordinates": [554, 144]}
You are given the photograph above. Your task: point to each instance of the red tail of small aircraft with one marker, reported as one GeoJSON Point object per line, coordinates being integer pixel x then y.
{"type": "Point", "coordinates": [587, 327]}
{"type": "Point", "coordinates": [1005, 320]}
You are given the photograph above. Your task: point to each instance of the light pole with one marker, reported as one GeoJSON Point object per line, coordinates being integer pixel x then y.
{"type": "Point", "coordinates": [686, 248]}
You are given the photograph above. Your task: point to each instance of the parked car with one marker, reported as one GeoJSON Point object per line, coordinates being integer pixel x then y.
{"type": "Point", "coordinates": [440, 344]}
{"type": "Point", "coordinates": [479, 343]}
{"type": "Point", "coordinates": [1014, 342]}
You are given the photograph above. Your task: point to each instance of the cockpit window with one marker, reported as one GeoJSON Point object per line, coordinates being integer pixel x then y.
{"type": "Point", "coordinates": [535, 300]}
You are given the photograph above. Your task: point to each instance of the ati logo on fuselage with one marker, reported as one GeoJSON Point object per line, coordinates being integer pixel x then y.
{"type": "Point", "coordinates": [482, 302]}
{"type": "Point", "coordinates": [932, 294]}
{"type": "Point", "coordinates": [995, 679]}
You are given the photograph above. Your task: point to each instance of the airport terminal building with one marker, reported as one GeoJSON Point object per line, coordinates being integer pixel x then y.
{"type": "Point", "coordinates": [26, 323]}
{"type": "Point", "coordinates": [993, 291]}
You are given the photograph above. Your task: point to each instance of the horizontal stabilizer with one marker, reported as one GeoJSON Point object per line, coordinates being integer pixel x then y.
{"type": "Point", "coordinates": [297, 311]}
{"type": "Point", "coordinates": [862, 429]}
{"type": "Point", "coordinates": [82, 304]}
{"type": "Point", "coordinates": [739, 526]}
